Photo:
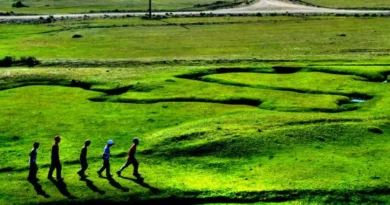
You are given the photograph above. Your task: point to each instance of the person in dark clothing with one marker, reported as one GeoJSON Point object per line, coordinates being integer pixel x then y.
{"type": "Point", "coordinates": [32, 175]}
{"type": "Point", "coordinates": [83, 159]}
{"type": "Point", "coordinates": [106, 160]}
{"type": "Point", "coordinates": [55, 160]}
{"type": "Point", "coordinates": [131, 159]}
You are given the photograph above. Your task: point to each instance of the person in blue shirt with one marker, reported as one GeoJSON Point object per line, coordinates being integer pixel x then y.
{"type": "Point", "coordinates": [106, 159]}
{"type": "Point", "coordinates": [32, 175]}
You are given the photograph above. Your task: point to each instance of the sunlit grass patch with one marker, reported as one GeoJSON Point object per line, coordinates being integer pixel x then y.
{"type": "Point", "coordinates": [200, 141]}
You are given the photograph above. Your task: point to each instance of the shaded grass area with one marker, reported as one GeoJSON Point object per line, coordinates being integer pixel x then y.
{"type": "Point", "coordinates": [272, 38]}
{"type": "Point", "coordinates": [72, 6]}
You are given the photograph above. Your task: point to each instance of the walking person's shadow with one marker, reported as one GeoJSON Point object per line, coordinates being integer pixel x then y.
{"type": "Point", "coordinates": [116, 184]}
{"type": "Point", "coordinates": [38, 188]}
{"type": "Point", "coordinates": [61, 186]}
{"type": "Point", "coordinates": [94, 188]}
{"type": "Point", "coordinates": [154, 190]}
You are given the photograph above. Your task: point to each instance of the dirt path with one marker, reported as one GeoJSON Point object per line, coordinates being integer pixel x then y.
{"type": "Point", "coordinates": [260, 6]}
{"type": "Point", "coordinates": [283, 6]}
{"type": "Point", "coordinates": [276, 5]}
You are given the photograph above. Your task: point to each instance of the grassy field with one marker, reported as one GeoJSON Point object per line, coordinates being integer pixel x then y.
{"type": "Point", "coordinates": [204, 139]}
{"type": "Point", "coordinates": [72, 6]}
{"type": "Point", "coordinates": [364, 38]}
{"type": "Point", "coordinates": [229, 110]}
{"type": "Point", "coordinates": [371, 4]}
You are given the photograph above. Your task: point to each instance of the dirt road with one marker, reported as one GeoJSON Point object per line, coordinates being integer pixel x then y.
{"type": "Point", "coordinates": [260, 6]}
{"type": "Point", "coordinates": [283, 6]}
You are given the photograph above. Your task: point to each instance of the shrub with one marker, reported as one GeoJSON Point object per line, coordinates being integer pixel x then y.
{"type": "Point", "coordinates": [7, 61]}
{"type": "Point", "coordinates": [29, 61]}
{"type": "Point", "coordinates": [18, 4]}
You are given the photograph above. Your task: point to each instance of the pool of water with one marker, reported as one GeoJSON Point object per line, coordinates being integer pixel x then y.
{"type": "Point", "coordinates": [357, 100]}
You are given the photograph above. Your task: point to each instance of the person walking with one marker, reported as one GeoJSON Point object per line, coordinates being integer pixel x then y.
{"type": "Point", "coordinates": [32, 174]}
{"type": "Point", "coordinates": [106, 159]}
{"type": "Point", "coordinates": [55, 160]}
{"type": "Point", "coordinates": [131, 159]}
{"type": "Point", "coordinates": [83, 159]}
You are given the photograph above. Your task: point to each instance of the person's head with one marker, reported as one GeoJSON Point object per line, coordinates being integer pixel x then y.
{"type": "Point", "coordinates": [57, 139]}
{"type": "Point", "coordinates": [36, 145]}
{"type": "Point", "coordinates": [136, 140]}
{"type": "Point", "coordinates": [110, 143]}
{"type": "Point", "coordinates": [87, 143]}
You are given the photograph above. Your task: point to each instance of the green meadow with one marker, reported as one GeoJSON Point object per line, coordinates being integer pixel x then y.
{"type": "Point", "coordinates": [73, 6]}
{"type": "Point", "coordinates": [248, 110]}
{"type": "Point", "coordinates": [276, 38]}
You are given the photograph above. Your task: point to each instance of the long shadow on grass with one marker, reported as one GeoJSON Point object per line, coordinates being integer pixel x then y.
{"type": "Point", "coordinates": [116, 184]}
{"type": "Point", "coordinates": [154, 190]}
{"type": "Point", "coordinates": [38, 188]}
{"type": "Point", "coordinates": [91, 186]}
{"type": "Point", "coordinates": [61, 186]}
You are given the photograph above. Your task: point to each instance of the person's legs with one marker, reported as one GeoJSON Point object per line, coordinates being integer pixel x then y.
{"type": "Point", "coordinates": [107, 165]}
{"type": "Point", "coordinates": [135, 166]}
{"type": "Point", "coordinates": [33, 171]}
{"type": "Point", "coordinates": [59, 169]}
{"type": "Point", "coordinates": [84, 167]}
{"type": "Point", "coordinates": [102, 168]}
{"type": "Point", "coordinates": [128, 162]}
{"type": "Point", "coordinates": [51, 170]}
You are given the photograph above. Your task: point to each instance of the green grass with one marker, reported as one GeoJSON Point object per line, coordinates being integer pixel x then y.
{"type": "Point", "coordinates": [224, 129]}
{"type": "Point", "coordinates": [66, 6]}
{"type": "Point", "coordinates": [368, 4]}
{"type": "Point", "coordinates": [200, 145]}
{"type": "Point", "coordinates": [287, 38]}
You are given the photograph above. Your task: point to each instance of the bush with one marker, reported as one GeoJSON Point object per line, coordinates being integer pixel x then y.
{"type": "Point", "coordinates": [18, 4]}
{"type": "Point", "coordinates": [29, 61]}
{"type": "Point", "coordinates": [7, 61]}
